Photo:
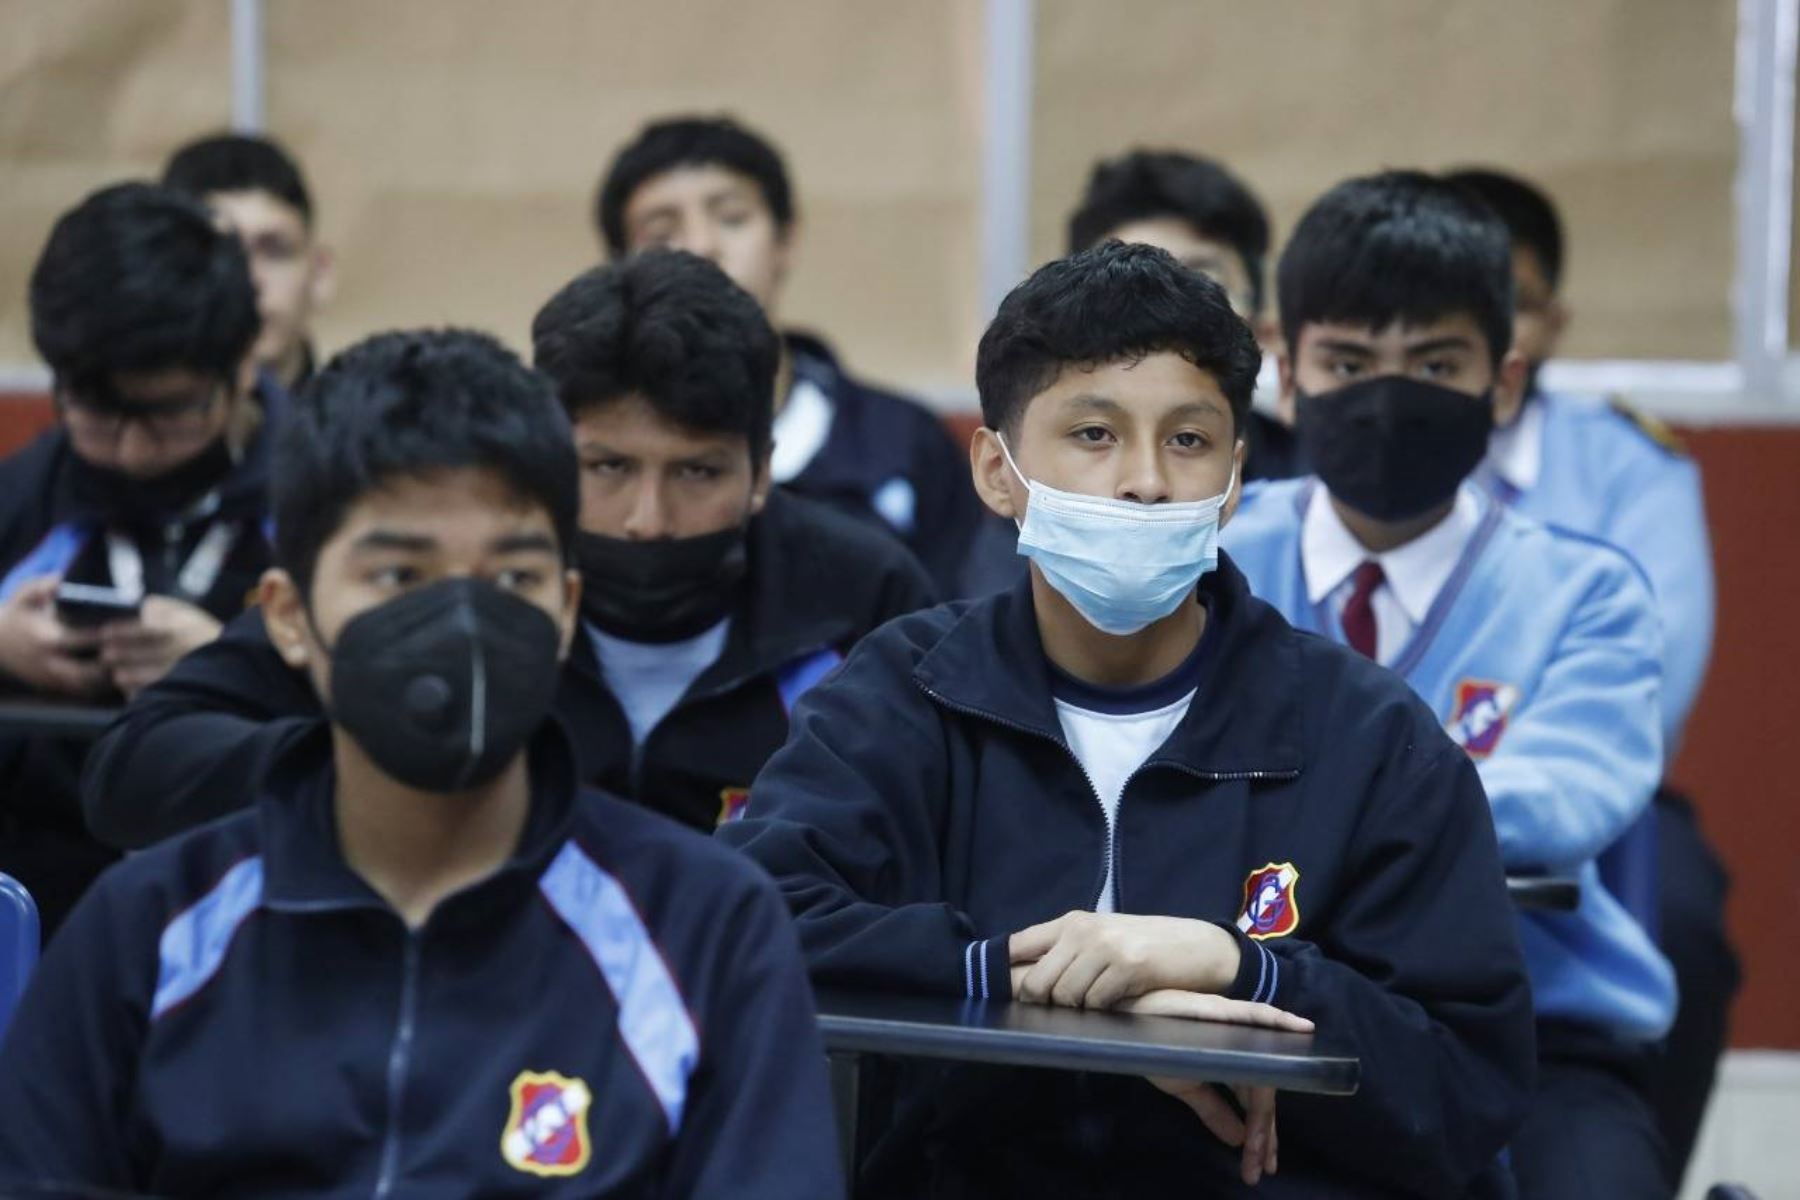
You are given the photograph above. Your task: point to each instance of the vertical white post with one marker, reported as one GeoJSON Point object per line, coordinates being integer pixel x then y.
{"type": "Point", "coordinates": [248, 112]}
{"type": "Point", "coordinates": [1006, 149]}
{"type": "Point", "coordinates": [1763, 106]}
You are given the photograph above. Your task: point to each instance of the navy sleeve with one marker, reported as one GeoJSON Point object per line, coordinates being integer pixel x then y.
{"type": "Point", "coordinates": [1417, 972]}
{"type": "Point", "coordinates": [68, 1061]}
{"type": "Point", "coordinates": [761, 1123]}
{"type": "Point", "coordinates": [845, 818]}
{"type": "Point", "coordinates": [192, 745]}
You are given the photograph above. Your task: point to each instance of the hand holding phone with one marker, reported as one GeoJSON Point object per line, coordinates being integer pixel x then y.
{"type": "Point", "coordinates": [41, 651]}
{"type": "Point", "coordinates": [84, 606]}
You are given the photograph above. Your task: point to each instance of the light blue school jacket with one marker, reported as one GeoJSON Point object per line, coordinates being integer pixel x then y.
{"type": "Point", "coordinates": [1541, 655]}
{"type": "Point", "coordinates": [1612, 474]}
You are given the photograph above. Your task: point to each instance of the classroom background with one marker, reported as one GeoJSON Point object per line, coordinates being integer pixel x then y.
{"type": "Point", "coordinates": [937, 146]}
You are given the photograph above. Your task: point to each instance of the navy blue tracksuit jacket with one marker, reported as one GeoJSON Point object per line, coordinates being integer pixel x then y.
{"type": "Point", "coordinates": [927, 806]}
{"type": "Point", "coordinates": [619, 1011]}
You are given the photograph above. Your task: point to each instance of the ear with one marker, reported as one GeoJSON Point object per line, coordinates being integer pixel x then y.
{"type": "Point", "coordinates": [1284, 401]}
{"type": "Point", "coordinates": [1509, 388]}
{"type": "Point", "coordinates": [243, 380]}
{"type": "Point", "coordinates": [570, 620]}
{"type": "Point", "coordinates": [324, 274]}
{"type": "Point", "coordinates": [787, 242]}
{"type": "Point", "coordinates": [284, 616]}
{"type": "Point", "coordinates": [995, 482]}
{"type": "Point", "coordinates": [759, 487]}
{"type": "Point", "coordinates": [1237, 484]}
{"type": "Point", "coordinates": [1556, 320]}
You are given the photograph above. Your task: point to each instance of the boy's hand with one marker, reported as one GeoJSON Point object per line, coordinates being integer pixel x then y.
{"type": "Point", "coordinates": [1096, 960]}
{"type": "Point", "coordinates": [138, 653]}
{"type": "Point", "coordinates": [40, 651]}
{"type": "Point", "coordinates": [1254, 1131]}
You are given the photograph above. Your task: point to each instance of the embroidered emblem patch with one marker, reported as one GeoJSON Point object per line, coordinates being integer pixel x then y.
{"type": "Point", "coordinates": [1271, 906]}
{"type": "Point", "coordinates": [1479, 717]}
{"type": "Point", "coordinates": [547, 1133]}
{"type": "Point", "coordinates": [731, 803]}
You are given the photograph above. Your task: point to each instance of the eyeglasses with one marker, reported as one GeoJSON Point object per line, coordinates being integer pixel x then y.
{"type": "Point", "coordinates": [98, 418]}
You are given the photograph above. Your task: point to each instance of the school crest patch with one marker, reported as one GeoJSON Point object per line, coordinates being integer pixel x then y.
{"type": "Point", "coordinates": [731, 803]}
{"type": "Point", "coordinates": [1478, 718]}
{"type": "Point", "coordinates": [547, 1132]}
{"type": "Point", "coordinates": [1271, 905]}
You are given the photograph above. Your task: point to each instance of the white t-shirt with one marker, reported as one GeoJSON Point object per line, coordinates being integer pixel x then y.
{"type": "Point", "coordinates": [1114, 731]}
{"type": "Point", "coordinates": [650, 678]}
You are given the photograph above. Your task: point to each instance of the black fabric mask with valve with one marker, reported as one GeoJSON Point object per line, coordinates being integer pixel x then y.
{"type": "Point", "coordinates": [664, 590]}
{"type": "Point", "coordinates": [1393, 447]}
{"type": "Point", "coordinates": [443, 686]}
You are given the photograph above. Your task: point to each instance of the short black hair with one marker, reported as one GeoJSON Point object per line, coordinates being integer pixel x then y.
{"type": "Point", "coordinates": [664, 145]}
{"type": "Point", "coordinates": [668, 326]}
{"type": "Point", "coordinates": [411, 404]}
{"type": "Point", "coordinates": [138, 278]}
{"type": "Point", "coordinates": [1145, 184]}
{"type": "Point", "coordinates": [1401, 245]}
{"type": "Point", "coordinates": [1529, 214]}
{"type": "Point", "coordinates": [1102, 305]}
{"type": "Point", "coordinates": [235, 162]}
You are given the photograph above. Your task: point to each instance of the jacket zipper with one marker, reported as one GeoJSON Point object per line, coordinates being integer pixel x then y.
{"type": "Point", "coordinates": [1109, 857]}
{"type": "Point", "coordinates": [398, 1057]}
{"type": "Point", "coordinates": [1106, 856]}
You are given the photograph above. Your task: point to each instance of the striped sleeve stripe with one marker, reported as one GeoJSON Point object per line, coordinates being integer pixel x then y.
{"type": "Point", "coordinates": [653, 1019]}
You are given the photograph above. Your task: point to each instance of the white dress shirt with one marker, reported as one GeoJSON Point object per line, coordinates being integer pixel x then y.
{"type": "Point", "coordinates": [1415, 572]}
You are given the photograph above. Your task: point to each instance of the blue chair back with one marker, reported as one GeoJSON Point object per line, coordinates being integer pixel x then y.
{"type": "Point", "coordinates": [18, 944]}
{"type": "Point", "coordinates": [1631, 869]}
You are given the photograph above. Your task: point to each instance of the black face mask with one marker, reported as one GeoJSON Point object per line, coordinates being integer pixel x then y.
{"type": "Point", "coordinates": [1393, 447]}
{"type": "Point", "coordinates": [664, 590]}
{"type": "Point", "coordinates": [443, 686]}
{"type": "Point", "coordinates": [115, 496]}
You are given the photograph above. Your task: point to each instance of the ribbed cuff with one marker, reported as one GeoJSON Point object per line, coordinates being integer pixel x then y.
{"type": "Point", "coordinates": [1259, 970]}
{"type": "Point", "coordinates": [987, 970]}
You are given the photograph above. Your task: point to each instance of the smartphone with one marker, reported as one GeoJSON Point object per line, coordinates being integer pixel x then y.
{"type": "Point", "coordinates": [84, 606]}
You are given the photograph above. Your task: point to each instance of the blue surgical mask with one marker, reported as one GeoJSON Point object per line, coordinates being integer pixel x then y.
{"type": "Point", "coordinates": [1123, 565]}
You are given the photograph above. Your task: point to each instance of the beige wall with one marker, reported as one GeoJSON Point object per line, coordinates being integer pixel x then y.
{"type": "Point", "coordinates": [1622, 108]}
{"type": "Point", "coordinates": [92, 91]}
{"type": "Point", "coordinates": [456, 156]}
{"type": "Point", "coordinates": [454, 146]}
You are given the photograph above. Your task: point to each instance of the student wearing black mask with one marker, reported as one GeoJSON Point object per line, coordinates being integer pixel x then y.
{"type": "Point", "coordinates": [426, 960]}
{"type": "Point", "coordinates": [712, 187]}
{"type": "Point", "coordinates": [710, 603]}
{"type": "Point", "coordinates": [1538, 650]}
{"type": "Point", "coordinates": [150, 486]}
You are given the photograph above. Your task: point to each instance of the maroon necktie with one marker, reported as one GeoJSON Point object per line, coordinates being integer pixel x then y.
{"type": "Point", "coordinates": [1359, 611]}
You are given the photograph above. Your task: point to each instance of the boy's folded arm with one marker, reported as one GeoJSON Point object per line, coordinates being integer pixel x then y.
{"type": "Point", "coordinates": [1419, 975]}
{"type": "Point", "coordinates": [845, 817]}
{"type": "Point", "coordinates": [190, 747]}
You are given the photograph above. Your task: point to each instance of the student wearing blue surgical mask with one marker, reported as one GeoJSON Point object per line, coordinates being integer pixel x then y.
{"type": "Point", "coordinates": [1128, 783]}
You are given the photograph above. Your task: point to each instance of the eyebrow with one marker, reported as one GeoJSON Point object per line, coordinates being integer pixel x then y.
{"type": "Point", "coordinates": [1455, 341]}
{"type": "Point", "coordinates": [1195, 408]}
{"type": "Point", "coordinates": [388, 539]}
{"type": "Point", "coordinates": [1095, 402]}
{"type": "Point", "coordinates": [1343, 346]}
{"type": "Point", "coordinates": [523, 543]}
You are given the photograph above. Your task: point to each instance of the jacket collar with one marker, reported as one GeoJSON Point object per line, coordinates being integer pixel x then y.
{"type": "Point", "coordinates": [303, 865]}
{"type": "Point", "coordinates": [1245, 720]}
